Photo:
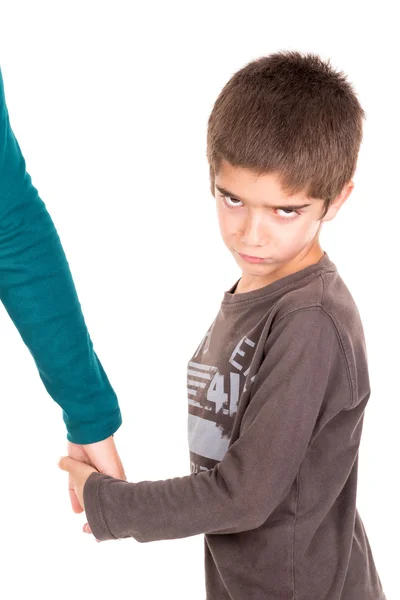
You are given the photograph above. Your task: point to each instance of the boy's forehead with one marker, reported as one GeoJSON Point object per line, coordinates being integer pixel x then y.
{"type": "Point", "coordinates": [241, 181]}
{"type": "Point", "coordinates": [233, 175]}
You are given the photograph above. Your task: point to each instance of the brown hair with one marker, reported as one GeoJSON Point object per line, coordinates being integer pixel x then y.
{"type": "Point", "coordinates": [292, 115]}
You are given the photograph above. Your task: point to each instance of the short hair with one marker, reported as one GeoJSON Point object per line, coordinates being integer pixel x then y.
{"type": "Point", "coordinates": [292, 115]}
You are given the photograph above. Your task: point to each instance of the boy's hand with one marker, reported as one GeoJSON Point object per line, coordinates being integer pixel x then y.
{"type": "Point", "coordinates": [79, 472]}
{"type": "Point", "coordinates": [103, 456]}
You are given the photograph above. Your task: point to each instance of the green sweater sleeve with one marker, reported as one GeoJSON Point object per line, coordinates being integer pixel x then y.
{"type": "Point", "coordinates": [38, 293]}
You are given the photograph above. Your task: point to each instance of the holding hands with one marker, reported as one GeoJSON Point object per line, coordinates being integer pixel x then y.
{"type": "Point", "coordinates": [82, 461]}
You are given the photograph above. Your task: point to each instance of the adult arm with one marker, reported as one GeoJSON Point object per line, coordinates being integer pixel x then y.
{"type": "Point", "coordinates": [38, 293]}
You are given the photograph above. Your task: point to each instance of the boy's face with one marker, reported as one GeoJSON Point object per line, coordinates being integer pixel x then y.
{"type": "Point", "coordinates": [286, 238]}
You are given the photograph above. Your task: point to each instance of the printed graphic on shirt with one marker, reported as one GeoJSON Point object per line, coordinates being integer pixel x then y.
{"type": "Point", "coordinates": [214, 391]}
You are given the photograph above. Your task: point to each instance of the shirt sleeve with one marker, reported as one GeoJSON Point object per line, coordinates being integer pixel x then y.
{"type": "Point", "coordinates": [38, 293]}
{"type": "Point", "coordinates": [298, 376]}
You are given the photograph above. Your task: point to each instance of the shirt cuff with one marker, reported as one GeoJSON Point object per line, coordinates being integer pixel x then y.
{"type": "Point", "coordinates": [92, 502]}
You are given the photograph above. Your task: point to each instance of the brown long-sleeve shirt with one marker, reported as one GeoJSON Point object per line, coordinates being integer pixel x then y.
{"type": "Point", "coordinates": [276, 396]}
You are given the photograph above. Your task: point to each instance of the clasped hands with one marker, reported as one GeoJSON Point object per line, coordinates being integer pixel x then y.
{"type": "Point", "coordinates": [82, 461]}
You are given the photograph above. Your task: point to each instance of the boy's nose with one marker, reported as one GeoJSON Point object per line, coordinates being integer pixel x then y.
{"type": "Point", "coordinates": [252, 235]}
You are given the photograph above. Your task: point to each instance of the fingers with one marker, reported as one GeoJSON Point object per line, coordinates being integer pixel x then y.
{"type": "Point", "coordinates": [86, 528]}
{"type": "Point", "coordinates": [77, 451]}
{"type": "Point", "coordinates": [94, 459]}
{"type": "Point", "coordinates": [76, 506]}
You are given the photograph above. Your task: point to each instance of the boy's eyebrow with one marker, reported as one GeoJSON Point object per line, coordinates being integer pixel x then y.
{"type": "Point", "coordinates": [225, 192]}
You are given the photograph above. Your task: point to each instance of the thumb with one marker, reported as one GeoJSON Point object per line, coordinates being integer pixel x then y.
{"type": "Point", "coordinates": [66, 463]}
{"type": "Point", "coordinates": [76, 468]}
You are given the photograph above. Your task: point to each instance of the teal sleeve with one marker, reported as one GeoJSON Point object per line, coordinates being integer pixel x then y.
{"type": "Point", "coordinates": [38, 293]}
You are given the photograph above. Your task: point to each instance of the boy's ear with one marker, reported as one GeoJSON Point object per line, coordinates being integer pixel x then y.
{"type": "Point", "coordinates": [339, 201]}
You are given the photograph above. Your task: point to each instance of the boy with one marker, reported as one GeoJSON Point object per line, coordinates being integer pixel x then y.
{"type": "Point", "coordinates": [278, 387]}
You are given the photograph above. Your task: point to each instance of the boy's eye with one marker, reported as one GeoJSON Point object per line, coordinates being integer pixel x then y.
{"type": "Point", "coordinates": [290, 212]}
{"type": "Point", "coordinates": [230, 199]}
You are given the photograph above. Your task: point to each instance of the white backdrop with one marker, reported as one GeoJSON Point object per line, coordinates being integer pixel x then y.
{"type": "Point", "coordinates": [109, 102]}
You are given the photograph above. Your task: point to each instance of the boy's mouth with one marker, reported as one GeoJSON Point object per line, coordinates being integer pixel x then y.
{"type": "Point", "coordinates": [251, 258]}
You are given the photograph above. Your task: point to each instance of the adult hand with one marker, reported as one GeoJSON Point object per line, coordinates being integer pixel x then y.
{"type": "Point", "coordinates": [104, 457]}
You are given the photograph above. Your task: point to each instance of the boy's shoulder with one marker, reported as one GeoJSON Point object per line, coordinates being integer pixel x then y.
{"type": "Point", "coordinates": [328, 293]}
{"type": "Point", "coordinates": [325, 289]}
